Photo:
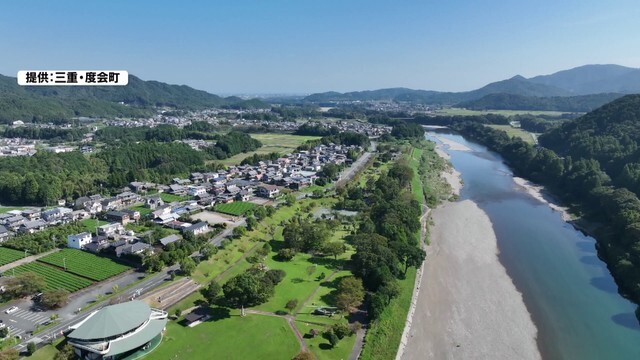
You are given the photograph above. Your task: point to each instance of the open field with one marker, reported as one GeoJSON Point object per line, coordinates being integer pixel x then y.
{"type": "Point", "coordinates": [511, 131]}
{"type": "Point", "coordinates": [280, 143]}
{"type": "Point", "coordinates": [231, 337]}
{"type": "Point", "coordinates": [211, 217]}
{"type": "Point", "coordinates": [9, 255]}
{"type": "Point", "coordinates": [144, 211]}
{"type": "Point", "coordinates": [235, 208]}
{"type": "Point", "coordinates": [91, 224]}
{"type": "Point", "coordinates": [320, 346]}
{"type": "Point", "coordinates": [168, 198]}
{"type": "Point", "coordinates": [85, 264]}
{"type": "Point", "coordinates": [54, 278]}
{"type": "Point", "coordinates": [465, 112]}
{"type": "Point", "coordinates": [5, 209]}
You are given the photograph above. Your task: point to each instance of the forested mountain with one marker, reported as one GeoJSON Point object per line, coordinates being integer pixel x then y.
{"type": "Point", "coordinates": [138, 98]}
{"type": "Point", "coordinates": [503, 101]}
{"type": "Point", "coordinates": [603, 80]}
{"type": "Point", "coordinates": [610, 135]}
{"type": "Point", "coordinates": [593, 79]}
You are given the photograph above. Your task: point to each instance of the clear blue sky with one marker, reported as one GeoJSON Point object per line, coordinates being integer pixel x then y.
{"type": "Point", "coordinates": [301, 46]}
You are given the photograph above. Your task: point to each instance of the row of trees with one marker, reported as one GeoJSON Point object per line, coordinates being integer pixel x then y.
{"type": "Point", "coordinates": [46, 133]}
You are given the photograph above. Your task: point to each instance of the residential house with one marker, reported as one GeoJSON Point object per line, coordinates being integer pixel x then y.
{"type": "Point", "coordinates": [110, 229]}
{"type": "Point", "coordinates": [153, 202]}
{"type": "Point", "coordinates": [128, 198]}
{"type": "Point", "coordinates": [136, 248]}
{"type": "Point", "coordinates": [30, 227]}
{"type": "Point", "coordinates": [197, 229]}
{"type": "Point", "coordinates": [169, 239]}
{"type": "Point", "coordinates": [118, 216]}
{"type": "Point", "coordinates": [4, 233]}
{"type": "Point", "coordinates": [79, 241]}
{"type": "Point", "coordinates": [134, 215]}
{"type": "Point", "coordinates": [268, 191]}
{"type": "Point", "coordinates": [196, 190]}
{"type": "Point", "coordinates": [111, 203]}
{"type": "Point", "coordinates": [244, 195]}
{"type": "Point", "coordinates": [31, 214]}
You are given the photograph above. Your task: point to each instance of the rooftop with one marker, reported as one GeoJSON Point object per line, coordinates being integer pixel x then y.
{"type": "Point", "coordinates": [113, 320]}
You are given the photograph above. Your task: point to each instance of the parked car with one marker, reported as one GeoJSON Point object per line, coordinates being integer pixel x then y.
{"type": "Point", "coordinates": [11, 310]}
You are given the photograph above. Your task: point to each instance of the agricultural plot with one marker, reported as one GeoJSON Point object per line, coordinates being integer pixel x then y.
{"type": "Point", "coordinates": [54, 278]}
{"type": "Point", "coordinates": [84, 264]}
{"type": "Point", "coordinates": [9, 255]}
{"type": "Point", "coordinates": [235, 208]}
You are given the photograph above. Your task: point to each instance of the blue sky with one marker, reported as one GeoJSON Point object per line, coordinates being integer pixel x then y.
{"type": "Point", "coordinates": [302, 46]}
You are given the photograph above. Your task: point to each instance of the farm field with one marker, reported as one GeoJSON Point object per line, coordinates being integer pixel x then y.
{"type": "Point", "coordinates": [54, 278]}
{"type": "Point", "coordinates": [280, 143]}
{"type": "Point", "coordinates": [85, 264]}
{"type": "Point", "coordinates": [511, 131]}
{"type": "Point", "coordinates": [9, 255]}
{"type": "Point", "coordinates": [236, 208]}
{"type": "Point", "coordinates": [466, 112]}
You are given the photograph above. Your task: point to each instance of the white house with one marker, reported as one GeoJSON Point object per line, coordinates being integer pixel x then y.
{"type": "Point", "coordinates": [196, 190]}
{"type": "Point", "coordinates": [78, 241]}
{"type": "Point", "coordinates": [268, 191]}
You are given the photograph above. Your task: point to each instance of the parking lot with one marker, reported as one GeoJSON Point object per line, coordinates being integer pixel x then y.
{"type": "Point", "coordinates": [24, 320]}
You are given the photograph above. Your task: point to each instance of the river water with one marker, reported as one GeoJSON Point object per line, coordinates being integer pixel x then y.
{"type": "Point", "coordinates": [569, 292]}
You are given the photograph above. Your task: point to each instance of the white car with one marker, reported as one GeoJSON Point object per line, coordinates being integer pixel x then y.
{"type": "Point", "coordinates": [11, 310]}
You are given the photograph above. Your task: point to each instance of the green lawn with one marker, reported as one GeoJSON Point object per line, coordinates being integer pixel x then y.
{"type": "Point", "coordinates": [5, 209]}
{"type": "Point", "coordinates": [320, 346]}
{"type": "Point", "coordinates": [168, 198]}
{"type": "Point", "coordinates": [144, 211]}
{"type": "Point", "coordinates": [90, 225]}
{"type": "Point", "coordinates": [84, 264]}
{"type": "Point", "coordinates": [517, 132]}
{"type": "Point", "coordinates": [233, 337]}
{"type": "Point", "coordinates": [9, 255]}
{"type": "Point", "coordinates": [235, 208]}
{"type": "Point", "coordinates": [279, 143]}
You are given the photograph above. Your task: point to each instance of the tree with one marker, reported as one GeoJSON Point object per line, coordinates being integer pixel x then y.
{"type": "Point", "coordinates": [317, 194]}
{"type": "Point", "coordinates": [239, 231]}
{"type": "Point", "coordinates": [115, 288]}
{"type": "Point", "coordinates": [286, 254]}
{"type": "Point", "coordinates": [305, 355]}
{"type": "Point", "coordinates": [9, 354]}
{"type": "Point", "coordinates": [211, 293]}
{"type": "Point", "coordinates": [26, 283]}
{"type": "Point", "coordinates": [341, 330]}
{"type": "Point", "coordinates": [31, 347]}
{"type": "Point", "coordinates": [153, 264]}
{"type": "Point", "coordinates": [275, 275]}
{"type": "Point", "coordinates": [290, 199]}
{"type": "Point", "coordinates": [247, 289]}
{"type": "Point", "coordinates": [332, 337]}
{"type": "Point", "coordinates": [350, 293]}
{"type": "Point", "coordinates": [55, 298]}
{"type": "Point", "coordinates": [208, 250]}
{"type": "Point", "coordinates": [187, 266]}
{"type": "Point", "coordinates": [4, 332]}
{"type": "Point", "coordinates": [334, 248]}
{"type": "Point", "coordinates": [251, 222]}
{"type": "Point", "coordinates": [66, 353]}
{"type": "Point", "coordinates": [264, 250]}
{"type": "Point", "coordinates": [291, 304]}
{"type": "Point", "coordinates": [178, 312]}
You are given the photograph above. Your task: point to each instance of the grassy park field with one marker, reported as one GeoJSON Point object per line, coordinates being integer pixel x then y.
{"type": "Point", "coordinates": [280, 143]}
{"type": "Point", "coordinates": [84, 264]}
{"type": "Point", "coordinates": [235, 208]}
{"type": "Point", "coordinates": [169, 198]}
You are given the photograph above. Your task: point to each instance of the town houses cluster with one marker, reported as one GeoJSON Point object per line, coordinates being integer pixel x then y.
{"type": "Point", "coordinates": [261, 182]}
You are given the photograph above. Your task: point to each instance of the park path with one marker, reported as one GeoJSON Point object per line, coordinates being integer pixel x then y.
{"type": "Point", "coordinates": [290, 320]}
{"type": "Point", "coordinates": [329, 278]}
{"type": "Point", "coordinates": [26, 260]}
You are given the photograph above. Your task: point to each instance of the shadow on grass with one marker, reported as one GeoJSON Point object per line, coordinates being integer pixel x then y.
{"type": "Point", "coordinates": [325, 346]}
{"type": "Point", "coordinates": [329, 263]}
{"type": "Point", "coordinates": [297, 280]}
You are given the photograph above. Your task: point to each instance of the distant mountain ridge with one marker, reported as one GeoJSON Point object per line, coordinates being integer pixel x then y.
{"type": "Point", "coordinates": [138, 98]}
{"type": "Point", "coordinates": [583, 80]}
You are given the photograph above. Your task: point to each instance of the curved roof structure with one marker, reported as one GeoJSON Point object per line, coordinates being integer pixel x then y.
{"type": "Point", "coordinates": [112, 321]}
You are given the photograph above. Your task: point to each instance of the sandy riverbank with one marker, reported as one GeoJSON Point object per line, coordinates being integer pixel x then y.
{"type": "Point", "coordinates": [468, 307]}
{"type": "Point", "coordinates": [452, 176]}
{"type": "Point", "coordinates": [538, 192]}
{"type": "Point", "coordinates": [452, 145]}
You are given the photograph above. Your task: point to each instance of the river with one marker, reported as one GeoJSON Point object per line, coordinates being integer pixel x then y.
{"type": "Point", "coordinates": [569, 292]}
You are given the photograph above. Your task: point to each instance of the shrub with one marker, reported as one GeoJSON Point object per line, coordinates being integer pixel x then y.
{"type": "Point", "coordinates": [291, 304]}
{"type": "Point", "coordinates": [286, 254]}
{"type": "Point", "coordinates": [275, 275]}
{"type": "Point", "coordinates": [341, 330]}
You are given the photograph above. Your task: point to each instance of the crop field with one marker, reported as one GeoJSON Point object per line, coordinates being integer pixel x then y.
{"type": "Point", "coordinates": [517, 132]}
{"type": "Point", "coordinates": [272, 142]}
{"type": "Point", "coordinates": [9, 255]}
{"type": "Point", "coordinates": [85, 264]}
{"type": "Point", "coordinates": [466, 112]}
{"type": "Point", "coordinates": [235, 208]}
{"type": "Point", "coordinates": [55, 279]}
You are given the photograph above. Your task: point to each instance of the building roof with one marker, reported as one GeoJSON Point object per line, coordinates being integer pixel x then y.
{"type": "Point", "coordinates": [153, 329]}
{"type": "Point", "coordinates": [113, 320]}
{"type": "Point", "coordinates": [169, 239]}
